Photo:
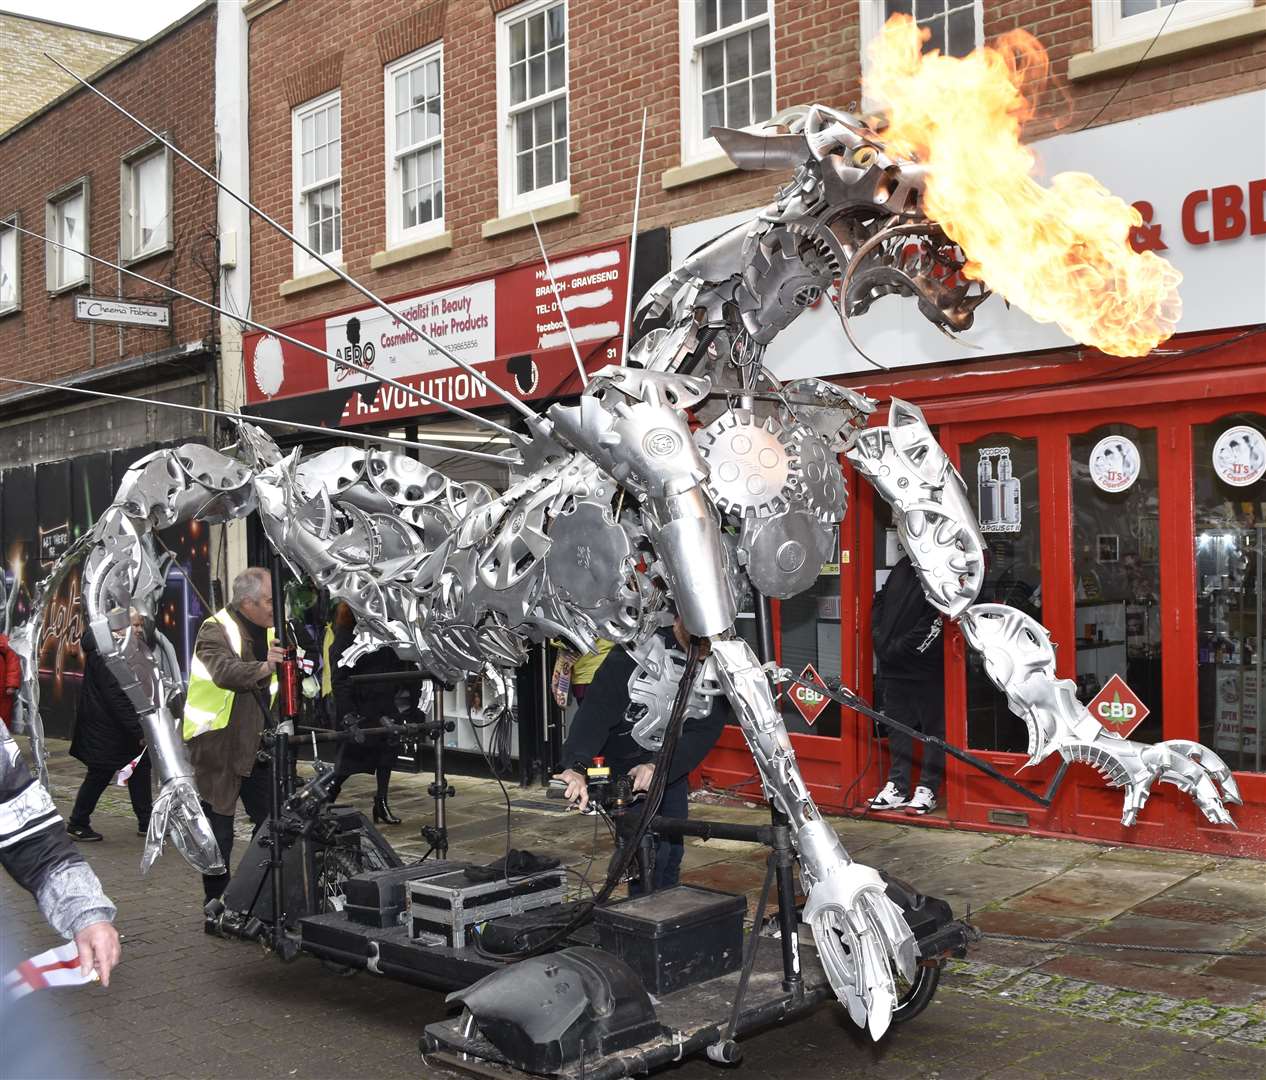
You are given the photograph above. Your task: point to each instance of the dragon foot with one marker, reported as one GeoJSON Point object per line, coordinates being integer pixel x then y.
{"type": "Point", "coordinates": [861, 936]}
{"type": "Point", "coordinates": [178, 813]}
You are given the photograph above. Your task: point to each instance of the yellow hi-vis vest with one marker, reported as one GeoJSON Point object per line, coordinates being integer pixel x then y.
{"type": "Point", "coordinates": [207, 706]}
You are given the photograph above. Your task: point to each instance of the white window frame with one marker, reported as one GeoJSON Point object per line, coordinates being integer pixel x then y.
{"type": "Point", "coordinates": [54, 255]}
{"type": "Point", "coordinates": [397, 234]}
{"type": "Point", "coordinates": [696, 144]}
{"type": "Point", "coordinates": [1111, 29]}
{"type": "Point", "coordinates": [872, 21]}
{"type": "Point", "coordinates": [128, 238]}
{"type": "Point", "coordinates": [13, 219]}
{"type": "Point", "coordinates": [509, 201]}
{"type": "Point", "coordinates": [303, 262]}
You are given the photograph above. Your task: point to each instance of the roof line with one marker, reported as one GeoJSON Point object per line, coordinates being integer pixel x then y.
{"type": "Point", "coordinates": [117, 62]}
{"type": "Point", "coordinates": [66, 26]}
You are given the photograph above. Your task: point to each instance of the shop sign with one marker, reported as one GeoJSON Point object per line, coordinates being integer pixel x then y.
{"type": "Point", "coordinates": [1239, 455]}
{"type": "Point", "coordinates": [809, 702]}
{"type": "Point", "coordinates": [1236, 719]}
{"type": "Point", "coordinates": [997, 491]}
{"type": "Point", "coordinates": [1117, 707]}
{"type": "Point", "coordinates": [123, 312]}
{"type": "Point", "coordinates": [507, 326]}
{"type": "Point", "coordinates": [1114, 464]}
{"type": "Point", "coordinates": [54, 542]}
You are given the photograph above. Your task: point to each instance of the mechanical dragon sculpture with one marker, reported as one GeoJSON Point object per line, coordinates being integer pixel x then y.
{"type": "Point", "coordinates": [686, 476]}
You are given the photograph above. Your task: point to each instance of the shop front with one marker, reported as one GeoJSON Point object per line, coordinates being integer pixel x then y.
{"type": "Point", "coordinates": [1123, 503]}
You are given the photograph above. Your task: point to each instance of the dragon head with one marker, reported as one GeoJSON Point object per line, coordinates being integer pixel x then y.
{"type": "Point", "coordinates": [860, 207]}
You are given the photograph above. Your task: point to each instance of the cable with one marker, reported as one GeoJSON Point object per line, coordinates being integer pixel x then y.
{"type": "Point", "coordinates": [1137, 64]}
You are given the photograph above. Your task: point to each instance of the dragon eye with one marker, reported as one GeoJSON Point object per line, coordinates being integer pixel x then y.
{"type": "Point", "coordinates": [864, 156]}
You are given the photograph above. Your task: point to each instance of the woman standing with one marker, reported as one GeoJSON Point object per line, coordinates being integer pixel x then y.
{"type": "Point", "coordinates": [369, 705]}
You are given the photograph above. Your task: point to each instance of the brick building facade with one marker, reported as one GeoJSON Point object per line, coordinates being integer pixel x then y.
{"type": "Point", "coordinates": [78, 171]}
{"type": "Point", "coordinates": [1165, 102]}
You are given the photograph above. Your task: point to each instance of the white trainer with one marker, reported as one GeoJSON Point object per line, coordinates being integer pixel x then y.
{"type": "Point", "coordinates": [923, 802]}
{"type": "Point", "coordinates": [889, 798]}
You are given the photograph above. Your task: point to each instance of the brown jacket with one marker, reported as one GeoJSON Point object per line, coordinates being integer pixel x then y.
{"type": "Point", "coordinates": [222, 758]}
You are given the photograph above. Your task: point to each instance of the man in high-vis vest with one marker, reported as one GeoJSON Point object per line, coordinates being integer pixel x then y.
{"type": "Point", "coordinates": [230, 682]}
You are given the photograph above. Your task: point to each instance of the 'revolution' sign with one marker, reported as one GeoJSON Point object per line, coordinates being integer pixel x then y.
{"type": "Point", "coordinates": [1117, 707]}
{"type": "Point", "coordinates": [808, 702]}
{"type": "Point", "coordinates": [506, 325]}
{"type": "Point", "coordinates": [123, 312]}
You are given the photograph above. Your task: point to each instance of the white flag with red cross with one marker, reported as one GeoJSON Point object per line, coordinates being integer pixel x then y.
{"type": "Point", "coordinates": [57, 967]}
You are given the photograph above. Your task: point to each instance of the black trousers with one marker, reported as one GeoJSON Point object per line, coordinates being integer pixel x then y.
{"type": "Point", "coordinates": [382, 781]}
{"type": "Point", "coordinates": [99, 778]}
{"type": "Point", "coordinates": [668, 852]}
{"type": "Point", "coordinates": [920, 705]}
{"type": "Point", "coordinates": [254, 794]}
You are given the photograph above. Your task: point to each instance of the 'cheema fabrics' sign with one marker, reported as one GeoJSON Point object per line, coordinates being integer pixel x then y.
{"type": "Point", "coordinates": [122, 312]}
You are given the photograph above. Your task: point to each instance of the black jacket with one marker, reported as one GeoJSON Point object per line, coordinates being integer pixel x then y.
{"type": "Point", "coordinates": [906, 629]}
{"type": "Point", "coordinates": [371, 701]}
{"type": "Point", "coordinates": [108, 732]}
{"type": "Point", "coordinates": [601, 728]}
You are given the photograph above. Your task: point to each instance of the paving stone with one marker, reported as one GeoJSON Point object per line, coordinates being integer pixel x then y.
{"type": "Point", "coordinates": [1133, 929]}
{"type": "Point", "coordinates": [1004, 921]}
{"type": "Point", "coordinates": [1035, 853]}
{"type": "Point", "coordinates": [1238, 889]}
{"type": "Point", "coordinates": [1168, 906]}
{"type": "Point", "coordinates": [973, 883]}
{"type": "Point", "coordinates": [1251, 969]}
{"type": "Point", "coordinates": [1170, 860]}
{"type": "Point", "coordinates": [1153, 980]}
{"type": "Point", "coordinates": [1095, 891]}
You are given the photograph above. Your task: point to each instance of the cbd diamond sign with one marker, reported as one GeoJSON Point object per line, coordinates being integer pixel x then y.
{"type": "Point", "coordinates": [808, 702]}
{"type": "Point", "coordinates": [1117, 707]}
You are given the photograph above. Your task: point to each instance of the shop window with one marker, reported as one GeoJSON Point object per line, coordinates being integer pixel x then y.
{"type": "Point", "coordinates": [318, 187]}
{"type": "Point", "coordinates": [1229, 473]}
{"type": "Point", "coordinates": [1002, 487]}
{"type": "Point", "coordinates": [415, 147]}
{"type": "Point", "coordinates": [1119, 22]}
{"type": "Point", "coordinates": [727, 70]}
{"type": "Point", "coordinates": [532, 105]}
{"type": "Point", "coordinates": [10, 266]}
{"type": "Point", "coordinates": [145, 211]}
{"type": "Point", "coordinates": [1116, 567]}
{"type": "Point", "coordinates": [66, 221]}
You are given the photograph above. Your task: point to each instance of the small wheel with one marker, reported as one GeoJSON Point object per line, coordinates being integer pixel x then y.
{"type": "Point", "coordinates": [913, 997]}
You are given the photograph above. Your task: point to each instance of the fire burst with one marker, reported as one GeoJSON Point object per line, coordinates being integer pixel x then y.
{"type": "Point", "coordinates": [1060, 253]}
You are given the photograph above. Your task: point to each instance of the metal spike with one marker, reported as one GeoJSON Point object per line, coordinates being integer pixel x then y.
{"type": "Point", "coordinates": [637, 206]}
{"type": "Point", "coordinates": [553, 284]}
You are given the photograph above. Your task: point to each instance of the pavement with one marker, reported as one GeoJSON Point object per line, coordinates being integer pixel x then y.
{"type": "Point", "coordinates": [183, 1004]}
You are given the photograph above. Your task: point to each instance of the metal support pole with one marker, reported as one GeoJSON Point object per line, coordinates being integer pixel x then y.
{"type": "Point", "coordinates": [784, 854]}
{"type": "Point", "coordinates": [437, 835]}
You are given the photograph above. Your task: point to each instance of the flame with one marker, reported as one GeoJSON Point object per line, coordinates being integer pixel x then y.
{"type": "Point", "coordinates": [1061, 253]}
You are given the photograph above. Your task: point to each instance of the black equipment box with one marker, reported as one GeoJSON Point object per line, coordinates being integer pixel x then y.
{"type": "Point", "coordinates": [379, 898]}
{"type": "Point", "coordinates": [447, 908]}
{"type": "Point", "coordinates": [675, 937]}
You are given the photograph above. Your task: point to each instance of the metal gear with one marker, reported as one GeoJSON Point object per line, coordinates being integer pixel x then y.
{"type": "Point", "coordinates": [753, 466]}
{"type": "Point", "coordinates": [589, 556]}
{"type": "Point", "coordinates": [823, 490]}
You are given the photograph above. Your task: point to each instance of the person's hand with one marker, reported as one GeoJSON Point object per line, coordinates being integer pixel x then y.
{"type": "Point", "coordinates": [577, 791]}
{"type": "Point", "coordinates": [275, 655]}
{"type": "Point", "coordinates": [642, 776]}
{"type": "Point", "coordinates": [98, 949]}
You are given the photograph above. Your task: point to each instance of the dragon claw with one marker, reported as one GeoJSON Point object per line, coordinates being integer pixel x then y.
{"type": "Point", "coordinates": [861, 937]}
{"type": "Point", "coordinates": [178, 813]}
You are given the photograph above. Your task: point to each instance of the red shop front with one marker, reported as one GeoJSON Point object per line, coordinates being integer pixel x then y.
{"type": "Point", "coordinates": [1158, 580]}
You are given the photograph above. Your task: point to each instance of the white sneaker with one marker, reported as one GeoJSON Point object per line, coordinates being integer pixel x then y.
{"type": "Point", "coordinates": [889, 798]}
{"type": "Point", "coordinates": [923, 802]}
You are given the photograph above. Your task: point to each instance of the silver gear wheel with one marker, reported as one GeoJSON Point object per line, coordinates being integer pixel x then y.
{"type": "Point", "coordinates": [823, 490]}
{"type": "Point", "coordinates": [753, 466]}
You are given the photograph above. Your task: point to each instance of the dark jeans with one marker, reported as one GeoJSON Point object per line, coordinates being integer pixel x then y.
{"type": "Point", "coordinates": [99, 778]}
{"type": "Point", "coordinates": [254, 794]}
{"type": "Point", "coordinates": [668, 853]}
{"type": "Point", "coordinates": [920, 705]}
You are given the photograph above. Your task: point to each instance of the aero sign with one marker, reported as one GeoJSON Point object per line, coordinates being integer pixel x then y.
{"type": "Point", "coordinates": [809, 702]}
{"type": "Point", "coordinates": [1117, 708]}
